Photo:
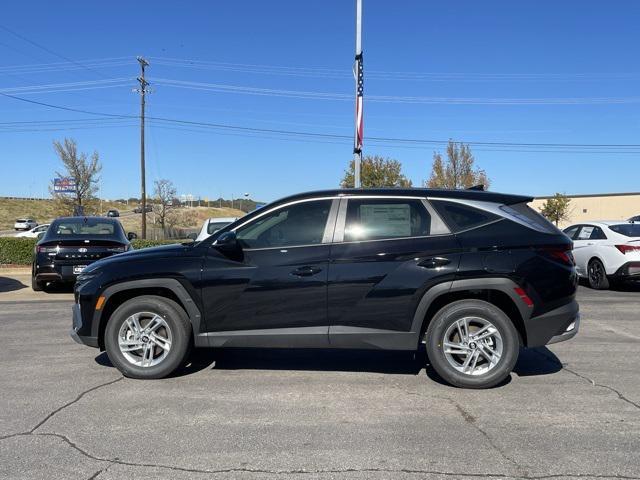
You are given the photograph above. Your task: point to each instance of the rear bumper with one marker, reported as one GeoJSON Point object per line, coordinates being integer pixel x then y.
{"type": "Point", "coordinates": [630, 272]}
{"type": "Point", "coordinates": [58, 273]}
{"type": "Point", "coordinates": [77, 325]}
{"type": "Point", "coordinates": [554, 326]}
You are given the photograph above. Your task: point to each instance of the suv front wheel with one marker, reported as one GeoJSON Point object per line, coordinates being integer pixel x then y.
{"type": "Point", "coordinates": [472, 344]}
{"type": "Point", "coordinates": [148, 337]}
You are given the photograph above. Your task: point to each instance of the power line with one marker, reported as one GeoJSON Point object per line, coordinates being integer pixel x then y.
{"type": "Point", "coordinates": [381, 74]}
{"type": "Point", "coordinates": [48, 50]}
{"type": "Point", "coordinates": [328, 136]}
{"type": "Point", "coordinates": [272, 92]}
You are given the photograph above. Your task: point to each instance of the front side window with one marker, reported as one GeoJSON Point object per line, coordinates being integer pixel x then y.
{"type": "Point", "coordinates": [571, 231]}
{"type": "Point", "coordinates": [378, 219]}
{"type": "Point", "coordinates": [298, 224]}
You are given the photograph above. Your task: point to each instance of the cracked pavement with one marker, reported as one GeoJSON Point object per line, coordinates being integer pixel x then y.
{"type": "Point", "coordinates": [569, 411]}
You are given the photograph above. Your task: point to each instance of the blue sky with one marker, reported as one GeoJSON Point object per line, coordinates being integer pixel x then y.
{"type": "Point", "coordinates": [519, 72]}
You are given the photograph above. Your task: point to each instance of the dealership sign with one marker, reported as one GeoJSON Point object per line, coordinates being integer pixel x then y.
{"type": "Point", "coordinates": [64, 185]}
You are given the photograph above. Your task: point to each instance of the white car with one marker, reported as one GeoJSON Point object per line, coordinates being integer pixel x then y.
{"type": "Point", "coordinates": [212, 225]}
{"type": "Point", "coordinates": [33, 233]}
{"type": "Point", "coordinates": [606, 251]}
{"type": "Point", "coordinates": [25, 224]}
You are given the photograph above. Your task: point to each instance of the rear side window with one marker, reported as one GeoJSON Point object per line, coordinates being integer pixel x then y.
{"type": "Point", "coordinates": [585, 232]}
{"type": "Point", "coordinates": [379, 219]}
{"type": "Point", "coordinates": [462, 217]}
{"type": "Point", "coordinates": [627, 229]}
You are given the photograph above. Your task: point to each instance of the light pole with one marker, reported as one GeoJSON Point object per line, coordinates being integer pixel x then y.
{"type": "Point", "coordinates": [246, 195]}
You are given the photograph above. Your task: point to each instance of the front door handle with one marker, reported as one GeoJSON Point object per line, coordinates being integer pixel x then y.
{"type": "Point", "coordinates": [434, 262]}
{"type": "Point", "coordinates": [306, 271]}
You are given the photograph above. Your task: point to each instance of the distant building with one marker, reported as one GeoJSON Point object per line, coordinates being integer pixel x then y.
{"type": "Point", "coordinates": [598, 206]}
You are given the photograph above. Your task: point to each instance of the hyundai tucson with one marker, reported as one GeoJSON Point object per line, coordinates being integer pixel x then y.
{"type": "Point", "coordinates": [472, 275]}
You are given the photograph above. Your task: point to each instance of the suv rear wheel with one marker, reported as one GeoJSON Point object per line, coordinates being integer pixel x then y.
{"type": "Point", "coordinates": [148, 337]}
{"type": "Point", "coordinates": [472, 344]}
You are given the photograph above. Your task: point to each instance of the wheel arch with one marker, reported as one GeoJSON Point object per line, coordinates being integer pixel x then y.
{"type": "Point", "coordinates": [171, 288]}
{"type": "Point", "coordinates": [496, 291]}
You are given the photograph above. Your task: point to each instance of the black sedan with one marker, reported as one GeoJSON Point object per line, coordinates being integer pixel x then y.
{"type": "Point", "coordinates": [72, 243]}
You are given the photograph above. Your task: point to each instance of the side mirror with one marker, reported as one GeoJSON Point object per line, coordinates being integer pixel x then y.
{"type": "Point", "coordinates": [192, 236]}
{"type": "Point", "coordinates": [131, 236]}
{"type": "Point", "coordinates": [227, 242]}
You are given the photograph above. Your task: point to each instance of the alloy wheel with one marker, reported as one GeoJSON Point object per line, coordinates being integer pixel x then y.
{"type": "Point", "coordinates": [596, 273]}
{"type": "Point", "coordinates": [145, 339]}
{"type": "Point", "coordinates": [472, 345]}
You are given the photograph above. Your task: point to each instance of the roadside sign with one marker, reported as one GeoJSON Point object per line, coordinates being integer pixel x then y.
{"type": "Point", "coordinates": [64, 185]}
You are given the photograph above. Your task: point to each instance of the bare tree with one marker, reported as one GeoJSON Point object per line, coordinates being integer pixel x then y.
{"type": "Point", "coordinates": [84, 171]}
{"type": "Point", "coordinates": [458, 171]}
{"type": "Point", "coordinates": [165, 193]}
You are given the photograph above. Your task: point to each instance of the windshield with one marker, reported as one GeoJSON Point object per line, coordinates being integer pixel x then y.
{"type": "Point", "coordinates": [213, 227]}
{"type": "Point", "coordinates": [627, 229]}
{"type": "Point", "coordinates": [84, 227]}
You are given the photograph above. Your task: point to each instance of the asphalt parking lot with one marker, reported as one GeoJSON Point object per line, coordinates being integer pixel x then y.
{"type": "Point", "coordinates": [569, 411]}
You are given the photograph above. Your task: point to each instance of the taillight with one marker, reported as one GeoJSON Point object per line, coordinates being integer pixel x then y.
{"type": "Point", "coordinates": [40, 249]}
{"type": "Point", "coordinates": [628, 248]}
{"type": "Point", "coordinates": [561, 253]}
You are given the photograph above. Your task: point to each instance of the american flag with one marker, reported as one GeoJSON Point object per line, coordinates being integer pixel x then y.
{"type": "Point", "coordinates": [359, 137]}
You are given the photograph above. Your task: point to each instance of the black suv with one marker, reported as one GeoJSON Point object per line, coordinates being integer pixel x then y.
{"type": "Point", "coordinates": [473, 275]}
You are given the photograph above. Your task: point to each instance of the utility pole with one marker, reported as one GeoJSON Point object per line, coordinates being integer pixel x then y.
{"type": "Point", "coordinates": [142, 91]}
{"type": "Point", "coordinates": [359, 77]}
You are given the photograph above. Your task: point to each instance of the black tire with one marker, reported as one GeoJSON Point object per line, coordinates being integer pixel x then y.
{"type": "Point", "coordinates": [448, 316]}
{"type": "Point", "coordinates": [178, 323]}
{"type": "Point", "coordinates": [597, 275]}
{"type": "Point", "coordinates": [36, 286]}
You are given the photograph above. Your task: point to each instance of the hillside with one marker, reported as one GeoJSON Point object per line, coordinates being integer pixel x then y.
{"type": "Point", "coordinates": [43, 212]}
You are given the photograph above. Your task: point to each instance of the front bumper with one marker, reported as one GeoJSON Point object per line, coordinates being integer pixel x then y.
{"type": "Point", "coordinates": [77, 325]}
{"type": "Point", "coordinates": [555, 326]}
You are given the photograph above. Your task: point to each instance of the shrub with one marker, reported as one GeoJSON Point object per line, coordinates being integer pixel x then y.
{"type": "Point", "coordinates": [139, 243]}
{"type": "Point", "coordinates": [19, 251]}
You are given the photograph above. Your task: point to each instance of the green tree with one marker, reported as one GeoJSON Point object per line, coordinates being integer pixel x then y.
{"type": "Point", "coordinates": [376, 171]}
{"type": "Point", "coordinates": [556, 208]}
{"type": "Point", "coordinates": [84, 170]}
{"type": "Point", "coordinates": [458, 171]}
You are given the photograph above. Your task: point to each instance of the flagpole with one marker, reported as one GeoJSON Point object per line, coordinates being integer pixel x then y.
{"type": "Point", "coordinates": [359, 120]}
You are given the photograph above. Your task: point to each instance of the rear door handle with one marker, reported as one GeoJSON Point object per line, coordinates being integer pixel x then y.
{"type": "Point", "coordinates": [434, 262]}
{"type": "Point", "coordinates": [306, 271]}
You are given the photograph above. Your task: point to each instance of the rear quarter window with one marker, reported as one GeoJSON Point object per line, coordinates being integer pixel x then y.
{"type": "Point", "coordinates": [461, 217]}
{"type": "Point", "coordinates": [524, 214]}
